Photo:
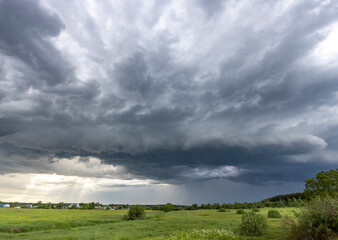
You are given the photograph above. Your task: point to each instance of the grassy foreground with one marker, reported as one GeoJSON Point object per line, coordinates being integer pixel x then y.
{"type": "Point", "coordinates": [87, 224]}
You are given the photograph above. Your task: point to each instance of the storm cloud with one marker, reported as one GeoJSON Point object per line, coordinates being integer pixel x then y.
{"type": "Point", "coordinates": [171, 92]}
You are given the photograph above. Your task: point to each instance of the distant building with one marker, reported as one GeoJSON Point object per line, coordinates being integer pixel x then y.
{"type": "Point", "coordinates": [29, 206]}
{"type": "Point", "coordinates": [5, 205]}
{"type": "Point", "coordinates": [17, 207]}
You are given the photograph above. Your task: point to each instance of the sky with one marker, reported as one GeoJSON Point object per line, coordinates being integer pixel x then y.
{"type": "Point", "coordinates": [186, 101]}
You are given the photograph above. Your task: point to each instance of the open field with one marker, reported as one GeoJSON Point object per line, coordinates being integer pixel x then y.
{"type": "Point", "coordinates": [89, 224]}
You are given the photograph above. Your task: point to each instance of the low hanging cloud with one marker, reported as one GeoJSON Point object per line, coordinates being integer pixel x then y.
{"type": "Point", "coordinates": [171, 91]}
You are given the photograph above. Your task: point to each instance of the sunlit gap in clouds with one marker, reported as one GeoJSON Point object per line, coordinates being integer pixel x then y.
{"type": "Point", "coordinates": [54, 187]}
{"type": "Point", "coordinates": [92, 177]}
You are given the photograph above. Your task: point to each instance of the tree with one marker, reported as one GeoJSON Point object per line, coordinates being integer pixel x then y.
{"type": "Point", "coordinates": [92, 205]}
{"type": "Point", "coordinates": [136, 212]}
{"type": "Point", "coordinates": [73, 206]}
{"type": "Point", "coordinates": [168, 207]}
{"type": "Point", "coordinates": [324, 184]}
{"type": "Point", "coordinates": [59, 205]}
{"type": "Point", "coordinates": [85, 206]}
{"type": "Point", "coordinates": [194, 206]}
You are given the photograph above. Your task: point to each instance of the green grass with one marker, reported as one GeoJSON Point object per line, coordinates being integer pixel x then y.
{"type": "Point", "coordinates": [86, 224]}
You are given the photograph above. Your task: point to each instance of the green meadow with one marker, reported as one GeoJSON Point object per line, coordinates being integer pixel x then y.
{"type": "Point", "coordinates": [106, 224]}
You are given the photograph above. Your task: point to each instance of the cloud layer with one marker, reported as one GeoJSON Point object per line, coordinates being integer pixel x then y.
{"type": "Point", "coordinates": [172, 91]}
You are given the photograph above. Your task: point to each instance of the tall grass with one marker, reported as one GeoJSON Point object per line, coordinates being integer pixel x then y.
{"type": "Point", "coordinates": [28, 224]}
{"type": "Point", "coordinates": [199, 234]}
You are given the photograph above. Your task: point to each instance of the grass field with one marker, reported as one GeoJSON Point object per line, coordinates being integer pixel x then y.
{"type": "Point", "coordinates": [87, 224]}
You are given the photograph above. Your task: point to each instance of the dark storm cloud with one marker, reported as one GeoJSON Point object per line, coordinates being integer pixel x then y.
{"type": "Point", "coordinates": [24, 27]}
{"type": "Point", "coordinates": [212, 7]}
{"type": "Point", "coordinates": [166, 94]}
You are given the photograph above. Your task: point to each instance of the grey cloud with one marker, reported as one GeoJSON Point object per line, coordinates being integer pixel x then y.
{"type": "Point", "coordinates": [25, 28]}
{"type": "Point", "coordinates": [212, 7]}
{"type": "Point", "coordinates": [162, 104]}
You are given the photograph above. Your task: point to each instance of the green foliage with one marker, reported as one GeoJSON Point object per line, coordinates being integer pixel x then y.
{"type": "Point", "coordinates": [92, 205]}
{"type": "Point", "coordinates": [286, 197]}
{"type": "Point", "coordinates": [318, 220]}
{"type": "Point", "coordinates": [240, 211]}
{"type": "Point", "coordinates": [85, 206]}
{"type": "Point", "coordinates": [324, 184]}
{"type": "Point", "coordinates": [253, 224]}
{"type": "Point", "coordinates": [221, 210]}
{"type": "Point", "coordinates": [255, 210]}
{"type": "Point", "coordinates": [157, 207]}
{"type": "Point", "coordinates": [136, 212]}
{"type": "Point", "coordinates": [168, 207]}
{"type": "Point", "coordinates": [201, 234]}
{"type": "Point", "coordinates": [274, 214]}
{"type": "Point", "coordinates": [59, 205]}
{"type": "Point", "coordinates": [73, 206]}
{"type": "Point", "coordinates": [194, 206]}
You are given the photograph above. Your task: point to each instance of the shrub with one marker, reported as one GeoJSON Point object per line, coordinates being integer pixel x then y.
{"type": "Point", "coordinates": [274, 214]}
{"type": "Point", "coordinates": [168, 207]}
{"type": "Point", "coordinates": [221, 210]}
{"type": "Point", "coordinates": [252, 224]}
{"type": "Point", "coordinates": [199, 234]}
{"type": "Point", "coordinates": [240, 211]}
{"type": "Point", "coordinates": [135, 212]}
{"type": "Point", "coordinates": [318, 220]}
{"type": "Point", "coordinates": [255, 210]}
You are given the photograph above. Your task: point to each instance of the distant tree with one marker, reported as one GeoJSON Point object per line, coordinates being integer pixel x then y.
{"type": "Point", "coordinates": [157, 207]}
{"type": "Point", "coordinates": [85, 206]}
{"type": "Point", "coordinates": [194, 206]}
{"type": "Point", "coordinates": [217, 206]}
{"type": "Point", "coordinates": [324, 184]}
{"type": "Point", "coordinates": [59, 205]}
{"type": "Point", "coordinates": [179, 209]}
{"type": "Point", "coordinates": [73, 206]}
{"type": "Point", "coordinates": [92, 205]}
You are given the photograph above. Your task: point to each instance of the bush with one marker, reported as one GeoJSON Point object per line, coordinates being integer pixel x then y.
{"type": "Point", "coordinates": [253, 225]}
{"type": "Point", "coordinates": [135, 212]}
{"type": "Point", "coordinates": [221, 210]}
{"type": "Point", "coordinates": [274, 214]}
{"type": "Point", "coordinates": [168, 207]}
{"type": "Point", "coordinates": [318, 220]}
{"type": "Point", "coordinates": [201, 234]}
{"type": "Point", "coordinates": [255, 210]}
{"type": "Point", "coordinates": [240, 211]}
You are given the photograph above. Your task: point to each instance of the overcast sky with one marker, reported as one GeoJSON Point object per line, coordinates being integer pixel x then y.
{"type": "Point", "coordinates": [166, 101]}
